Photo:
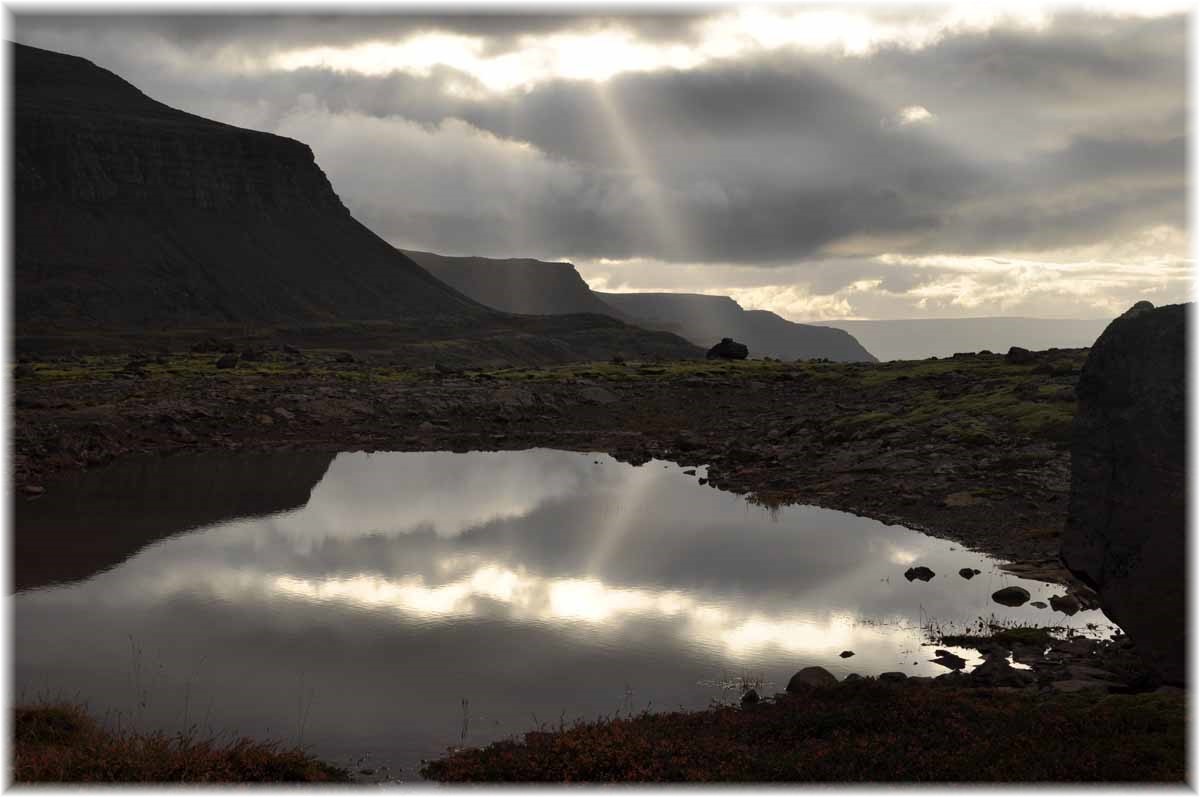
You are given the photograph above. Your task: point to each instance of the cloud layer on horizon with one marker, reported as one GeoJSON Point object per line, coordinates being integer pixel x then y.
{"type": "Point", "coordinates": [994, 166]}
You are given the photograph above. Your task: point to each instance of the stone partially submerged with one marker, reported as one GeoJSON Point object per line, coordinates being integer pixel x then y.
{"type": "Point", "coordinates": [1011, 596]}
{"type": "Point", "coordinates": [811, 677]}
{"type": "Point", "coordinates": [1126, 527]}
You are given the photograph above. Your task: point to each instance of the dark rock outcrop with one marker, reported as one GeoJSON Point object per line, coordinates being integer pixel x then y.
{"type": "Point", "coordinates": [1126, 527]}
{"type": "Point", "coordinates": [728, 349]}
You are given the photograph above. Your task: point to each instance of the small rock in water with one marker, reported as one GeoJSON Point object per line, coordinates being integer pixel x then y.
{"type": "Point", "coordinates": [892, 677]}
{"type": "Point", "coordinates": [969, 572]}
{"type": "Point", "coordinates": [750, 698]}
{"type": "Point", "coordinates": [852, 677]}
{"type": "Point", "coordinates": [845, 654]}
{"type": "Point", "coordinates": [1067, 604]}
{"type": "Point", "coordinates": [1038, 604]}
{"type": "Point", "coordinates": [949, 660]}
{"type": "Point", "coordinates": [810, 677]}
{"type": "Point", "coordinates": [1011, 596]}
{"type": "Point", "coordinates": [690, 472]}
{"type": "Point", "coordinates": [922, 572]}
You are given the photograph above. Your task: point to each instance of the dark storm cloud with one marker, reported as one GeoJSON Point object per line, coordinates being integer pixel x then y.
{"type": "Point", "coordinates": [264, 33]}
{"type": "Point", "coordinates": [1036, 140]}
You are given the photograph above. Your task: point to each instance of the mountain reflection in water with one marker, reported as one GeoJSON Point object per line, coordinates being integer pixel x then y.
{"type": "Point", "coordinates": [535, 584]}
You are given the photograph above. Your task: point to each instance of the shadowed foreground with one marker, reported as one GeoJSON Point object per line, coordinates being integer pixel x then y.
{"type": "Point", "coordinates": [62, 744]}
{"type": "Point", "coordinates": [859, 732]}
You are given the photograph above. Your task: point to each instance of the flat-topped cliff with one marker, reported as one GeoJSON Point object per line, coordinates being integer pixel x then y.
{"type": "Point", "coordinates": [130, 213]}
{"type": "Point", "coordinates": [706, 319]}
{"type": "Point", "coordinates": [517, 285]}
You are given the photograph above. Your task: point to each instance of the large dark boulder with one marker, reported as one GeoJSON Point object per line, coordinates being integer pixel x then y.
{"type": "Point", "coordinates": [1126, 529]}
{"type": "Point", "coordinates": [729, 349]}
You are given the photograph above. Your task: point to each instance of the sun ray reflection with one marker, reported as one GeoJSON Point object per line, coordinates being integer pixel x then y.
{"type": "Point", "coordinates": [530, 597]}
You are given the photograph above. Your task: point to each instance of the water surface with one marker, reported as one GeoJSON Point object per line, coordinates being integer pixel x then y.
{"type": "Point", "coordinates": [415, 601]}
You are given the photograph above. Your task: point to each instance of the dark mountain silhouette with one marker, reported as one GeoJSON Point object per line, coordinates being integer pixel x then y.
{"type": "Point", "coordinates": [131, 215]}
{"type": "Point", "coordinates": [516, 285]}
{"type": "Point", "coordinates": [537, 286]}
{"type": "Point", "coordinates": [706, 319]}
{"type": "Point", "coordinates": [116, 511]}
{"type": "Point", "coordinates": [919, 338]}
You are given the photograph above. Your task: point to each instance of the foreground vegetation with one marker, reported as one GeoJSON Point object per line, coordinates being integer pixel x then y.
{"type": "Point", "coordinates": [62, 744]}
{"type": "Point", "coordinates": [863, 731]}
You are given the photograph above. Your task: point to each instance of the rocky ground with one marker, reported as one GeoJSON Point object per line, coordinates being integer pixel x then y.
{"type": "Point", "coordinates": [971, 448]}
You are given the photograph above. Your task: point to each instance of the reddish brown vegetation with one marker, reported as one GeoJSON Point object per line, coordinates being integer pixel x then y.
{"type": "Point", "coordinates": [863, 732]}
{"type": "Point", "coordinates": [62, 744]}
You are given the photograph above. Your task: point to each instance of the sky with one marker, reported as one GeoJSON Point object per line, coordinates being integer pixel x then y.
{"type": "Point", "coordinates": [825, 162]}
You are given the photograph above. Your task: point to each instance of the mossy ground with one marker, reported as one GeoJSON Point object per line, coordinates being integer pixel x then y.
{"type": "Point", "coordinates": [61, 743]}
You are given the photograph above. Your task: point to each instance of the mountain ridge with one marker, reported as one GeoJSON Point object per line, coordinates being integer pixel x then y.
{"type": "Point", "coordinates": [138, 219]}
{"type": "Point", "coordinates": [551, 287]}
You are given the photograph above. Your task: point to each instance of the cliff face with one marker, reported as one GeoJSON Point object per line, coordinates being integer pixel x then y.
{"type": "Point", "coordinates": [83, 134]}
{"type": "Point", "coordinates": [517, 285]}
{"type": "Point", "coordinates": [1126, 531]}
{"type": "Point", "coordinates": [706, 319]}
{"type": "Point", "coordinates": [130, 213]}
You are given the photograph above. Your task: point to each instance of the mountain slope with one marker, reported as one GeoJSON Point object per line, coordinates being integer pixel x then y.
{"type": "Point", "coordinates": [516, 285]}
{"type": "Point", "coordinates": [129, 212]}
{"type": "Point", "coordinates": [706, 319]}
{"type": "Point", "coordinates": [132, 216]}
{"type": "Point", "coordinates": [524, 285]}
{"type": "Point", "coordinates": [919, 338]}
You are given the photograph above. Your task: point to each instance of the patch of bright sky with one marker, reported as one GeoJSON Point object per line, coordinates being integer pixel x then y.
{"type": "Point", "coordinates": [600, 54]}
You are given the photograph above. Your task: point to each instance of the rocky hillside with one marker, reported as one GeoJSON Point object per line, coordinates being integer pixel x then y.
{"type": "Point", "coordinates": [706, 319]}
{"type": "Point", "coordinates": [516, 285]}
{"type": "Point", "coordinates": [133, 216]}
{"type": "Point", "coordinates": [1126, 531]}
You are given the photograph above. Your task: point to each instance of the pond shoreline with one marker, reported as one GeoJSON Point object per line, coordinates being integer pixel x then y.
{"type": "Point", "coordinates": [969, 448]}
